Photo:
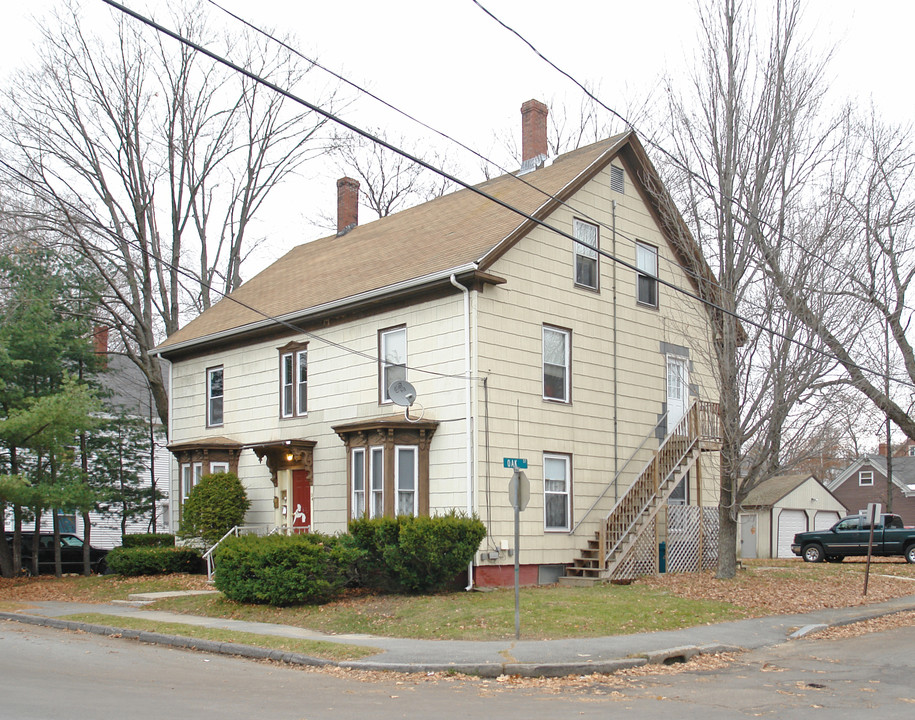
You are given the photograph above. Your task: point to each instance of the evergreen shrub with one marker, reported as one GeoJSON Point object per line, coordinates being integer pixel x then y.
{"type": "Point", "coordinates": [154, 560]}
{"type": "Point", "coordinates": [284, 569]}
{"type": "Point", "coordinates": [416, 554]}
{"type": "Point", "coordinates": [213, 507]}
{"type": "Point", "coordinates": [148, 540]}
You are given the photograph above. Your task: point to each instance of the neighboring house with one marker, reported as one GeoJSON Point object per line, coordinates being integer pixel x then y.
{"type": "Point", "coordinates": [519, 343]}
{"type": "Point", "coordinates": [777, 509]}
{"type": "Point", "coordinates": [127, 391]}
{"type": "Point", "coordinates": [864, 481]}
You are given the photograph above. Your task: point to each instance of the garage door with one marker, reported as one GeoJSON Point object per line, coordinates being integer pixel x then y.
{"type": "Point", "coordinates": [825, 520]}
{"type": "Point", "coordinates": [789, 523]}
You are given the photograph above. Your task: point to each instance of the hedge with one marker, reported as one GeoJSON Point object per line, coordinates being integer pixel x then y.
{"type": "Point", "coordinates": [415, 554]}
{"type": "Point", "coordinates": [148, 540]}
{"type": "Point", "coordinates": [284, 569]}
{"type": "Point", "coordinates": [154, 560]}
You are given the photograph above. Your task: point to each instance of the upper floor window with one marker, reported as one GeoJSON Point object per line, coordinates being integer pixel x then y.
{"type": "Point", "coordinates": [911, 451]}
{"type": "Point", "coordinates": [586, 258]}
{"type": "Point", "coordinates": [557, 492]}
{"type": "Point", "coordinates": [293, 380]}
{"type": "Point", "coordinates": [214, 396]}
{"type": "Point", "coordinates": [393, 359]}
{"type": "Point", "coordinates": [866, 478]}
{"type": "Point", "coordinates": [556, 356]}
{"type": "Point", "coordinates": [646, 260]}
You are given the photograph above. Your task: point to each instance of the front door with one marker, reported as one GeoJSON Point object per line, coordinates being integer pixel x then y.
{"type": "Point", "coordinates": [677, 390]}
{"type": "Point", "coordinates": [748, 536]}
{"type": "Point", "coordinates": [301, 501]}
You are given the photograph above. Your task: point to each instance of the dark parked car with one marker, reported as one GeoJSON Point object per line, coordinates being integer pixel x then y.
{"type": "Point", "coordinates": [852, 536]}
{"type": "Point", "coordinates": [71, 553]}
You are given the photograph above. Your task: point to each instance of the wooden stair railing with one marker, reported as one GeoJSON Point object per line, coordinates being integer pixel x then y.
{"type": "Point", "coordinates": [619, 531]}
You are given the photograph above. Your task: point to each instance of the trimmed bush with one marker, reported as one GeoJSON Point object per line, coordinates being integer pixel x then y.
{"type": "Point", "coordinates": [416, 554]}
{"type": "Point", "coordinates": [284, 569]}
{"type": "Point", "coordinates": [153, 560]}
{"type": "Point", "coordinates": [214, 506]}
{"type": "Point", "coordinates": [148, 540]}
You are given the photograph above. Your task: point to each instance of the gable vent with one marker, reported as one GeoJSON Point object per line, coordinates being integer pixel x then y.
{"type": "Point", "coordinates": [616, 179]}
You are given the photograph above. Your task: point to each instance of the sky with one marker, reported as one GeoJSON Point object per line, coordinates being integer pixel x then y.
{"type": "Point", "coordinates": [449, 64]}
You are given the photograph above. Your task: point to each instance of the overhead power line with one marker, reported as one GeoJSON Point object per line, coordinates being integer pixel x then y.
{"type": "Point", "coordinates": [452, 178]}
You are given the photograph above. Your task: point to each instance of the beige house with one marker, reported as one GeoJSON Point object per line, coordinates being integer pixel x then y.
{"type": "Point", "coordinates": [504, 312]}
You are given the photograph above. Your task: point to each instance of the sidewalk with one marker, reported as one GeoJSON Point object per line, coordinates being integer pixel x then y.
{"type": "Point", "coordinates": [528, 658]}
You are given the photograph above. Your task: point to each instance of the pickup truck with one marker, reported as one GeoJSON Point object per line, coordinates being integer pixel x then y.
{"type": "Point", "coordinates": [850, 536]}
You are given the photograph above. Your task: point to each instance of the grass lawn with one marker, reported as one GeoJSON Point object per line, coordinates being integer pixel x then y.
{"type": "Point", "coordinates": [312, 648]}
{"type": "Point", "coordinates": [549, 612]}
{"type": "Point", "coordinates": [546, 613]}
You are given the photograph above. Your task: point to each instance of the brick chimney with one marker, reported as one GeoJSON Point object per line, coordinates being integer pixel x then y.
{"type": "Point", "coordinates": [347, 205]}
{"type": "Point", "coordinates": [100, 344]}
{"type": "Point", "coordinates": [533, 135]}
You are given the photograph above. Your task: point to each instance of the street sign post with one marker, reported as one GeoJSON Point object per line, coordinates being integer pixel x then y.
{"type": "Point", "coordinates": [519, 492]}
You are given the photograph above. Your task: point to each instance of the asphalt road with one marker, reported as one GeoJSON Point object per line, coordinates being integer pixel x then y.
{"type": "Point", "coordinates": [48, 673]}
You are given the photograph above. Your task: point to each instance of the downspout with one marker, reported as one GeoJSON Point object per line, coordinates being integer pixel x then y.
{"type": "Point", "coordinates": [467, 410]}
{"type": "Point", "coordinates": [616, 439]}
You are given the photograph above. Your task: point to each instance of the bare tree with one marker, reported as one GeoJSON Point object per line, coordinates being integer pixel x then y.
{"type": "Point", "coordinates": [152, 161]}
{"type": "Point", "coordinates": [746, 146]}
{"type": "Point", "coordinates": [388, 181]}
{"type": "Point", "coordinates": [868, 271]}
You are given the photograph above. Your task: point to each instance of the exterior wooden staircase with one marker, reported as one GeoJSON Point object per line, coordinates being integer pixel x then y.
{"type": "Point", "coordinates": [638, 507]}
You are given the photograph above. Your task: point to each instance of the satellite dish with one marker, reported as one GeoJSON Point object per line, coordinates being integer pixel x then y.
{"type": "Point", "coordinates": [402, 393]}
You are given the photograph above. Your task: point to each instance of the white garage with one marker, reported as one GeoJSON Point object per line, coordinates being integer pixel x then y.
{"type": "Point", "coordinates": [781, 507]}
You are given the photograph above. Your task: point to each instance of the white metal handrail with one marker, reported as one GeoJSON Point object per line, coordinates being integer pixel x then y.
{"type": "Point", "coordinates": [235, 532]}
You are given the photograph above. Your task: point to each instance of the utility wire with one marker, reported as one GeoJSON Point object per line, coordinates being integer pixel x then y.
{"type": "Point", "coordinates": [380, 141]}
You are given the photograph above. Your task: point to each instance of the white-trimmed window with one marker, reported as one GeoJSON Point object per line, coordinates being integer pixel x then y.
{"type": "Point", "coordinates": [294, 383]}
{"type": "Point", "coordinates": [190, 476]}
{"type": "Point", "coordinates": [392, 346]}
{"type": "Point", "coordinates": [214, 396]}
{"type": "Point", "coordinates": [586, 258]}
{"type": "Point", "coordinates": [376, 481]}
{"type": "Point", "coordinates": [556, 363]}
{"type": "Point", "coordinates": [406, 472]}
{"type": "Point", "coordinates": [358, 460]}
{"type": "Point", "coordinates": [911, 451]}
{"type": "Point", "coordinates": [219, 467]}
{"type": "Point", "coordinates": [557, 486]}
{"type": "Point", "coordinates": [646, 260]}
{"type": "Point", "coordinates": [866, 478]}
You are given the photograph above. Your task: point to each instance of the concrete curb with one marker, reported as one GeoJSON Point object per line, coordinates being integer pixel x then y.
{"type": "Point", "coordinates": [486, 670]}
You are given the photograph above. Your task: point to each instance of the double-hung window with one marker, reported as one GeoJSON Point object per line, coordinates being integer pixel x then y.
{"type": "Point", "coordinates": [376, 481]}
{"type": "Point", "coordinates": [557, 492]}
{"type": "Point", "coordinates": [214, 396]}
{"type": "Point", "coordinates": [393, 359]}
{"type": "Point", "coordinates": [866, 478]}
{"type": "Point", "coordinates": [646, 260]}
{"type": "Point", "coordinates": [358, 470]}
{"type": "Point", "coordinates": [293, 381]}
{"type": "Point", "coordinates": [586, 259]}
{"type": "Point", "coordinates": [190, 476]}
{"type": "Point", "coordinates": [556, 363]}
{"type": "Point", "coordinates": [406, 469]}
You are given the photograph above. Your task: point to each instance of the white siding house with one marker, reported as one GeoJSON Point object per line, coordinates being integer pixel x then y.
{"type": "Point", "coordinates": [519, 342]}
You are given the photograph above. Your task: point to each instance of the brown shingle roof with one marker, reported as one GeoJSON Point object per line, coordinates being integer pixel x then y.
{"type": "Point", "coordinates": [433, 239]}
{"type": "Point", "coordinates": [774, 489]}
